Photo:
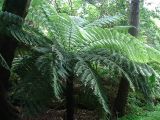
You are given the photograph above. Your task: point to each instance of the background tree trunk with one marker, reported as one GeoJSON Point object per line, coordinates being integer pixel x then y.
{"type": "Point", "coordinates": [7, 48]}
{"type": "Point", "coordinates": [134, 17]}
{"type": "Point", "coordinates": [123, 91]}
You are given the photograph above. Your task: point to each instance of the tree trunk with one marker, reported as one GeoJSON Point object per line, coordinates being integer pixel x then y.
{"type": "Point", "coordinates": [7, 49]}
{"type": "Point", "coordinates": [123, 91]}
{"type": "Point", "coordinates": [134, 17]}
{"type": "Point", "coordinates": [70, 98]}
{"type": "Point", "coordinates": [121, 99]}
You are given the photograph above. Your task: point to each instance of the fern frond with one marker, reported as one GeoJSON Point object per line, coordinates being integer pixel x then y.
{"type": "Point", "coordinates": [113, 61]}
{"type": "Point", "coordinates": [136, 73]}
{"type": "Point", "coordinates": [89, 78]}
{"type": "Point", "coordinates": [56, 84]}
{"type": "Point", "coordinates": [22, 64]}
{"type": "Point", "coordinates": [49, 63]}
{"type": "Point", "coordinates": [105, 21]}
{"type": "Point", "coordinates": [121, 29]}
{"type": "Point", "coordinates": [79, 21]}
{"type": "Point", "coordinates": [66, 33]}
{"type": "Point", "coordinates": [33, 83]}
{"type": "Point", "coordinates": [120, 43]}
{"type": "Point", "coordinates": [28, 36]}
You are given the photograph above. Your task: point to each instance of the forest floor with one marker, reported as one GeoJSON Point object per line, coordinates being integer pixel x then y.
{"type": "Point", "coordinates": [145, 115]}
{"type": "Point", "coordinates": [80, 114]}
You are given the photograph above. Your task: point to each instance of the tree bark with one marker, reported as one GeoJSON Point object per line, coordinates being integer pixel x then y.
{"type": "Point", "coordinates": [70, 98]}
{"type": "Point", "coordinates": [123, 91]}
{"type": "Point", "coordinates": [134, 17]}
{"type": "Point", "coordinates": [121, 99]}
{"type": "Point", "coordinates": [8, 46]}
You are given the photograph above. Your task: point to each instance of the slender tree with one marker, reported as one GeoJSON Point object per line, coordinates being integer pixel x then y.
{"type": "Point", "coordinates": [134, 17]}
{"type": "Point", "coordinates": [7, 49]}
{"type": "Point", "coordinates": [123, 91]}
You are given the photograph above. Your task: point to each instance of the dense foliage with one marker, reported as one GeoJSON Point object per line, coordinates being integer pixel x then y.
{"type": "Point", "coordinates": [89, 42]}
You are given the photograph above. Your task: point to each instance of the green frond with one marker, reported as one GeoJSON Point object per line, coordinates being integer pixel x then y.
{"type": "Point", "coordinates": [121, 29]}
{"type": "Point", "coordinates": [22, 64]}
{"type": "Point", "coordinates": [65, 30]}
{"type": "Point", "coordinates": [33, 83]}
{"type": "Point", "coordinates": [136, 73]}
{"type": "Point", "coordinates": [43, 64]}
{"type": "Point", "coordinates": [79, 21]}
{"type": "Point", "coordinates": [105, 21]}
{"type": "Point", "coordinates": [50, 65]}
{"type": "Point", "coordinates": [89, 78]}
{"type": "Point", "coordinates": [56, 84]}
{"type": "Point", "coordinates": [28, 36]}
{"type": "Point", "coordinates": [120, 43]}
{"type": "Point", "coordinates": [113, 61]}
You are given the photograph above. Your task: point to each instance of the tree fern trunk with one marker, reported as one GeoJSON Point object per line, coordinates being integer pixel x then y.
{"type": "Point", "coordinates": [121, 99]}
{"type": "Point", "coordinates": [122, 96]}
{"type": "Point", "coordinates": [70, 98]}
{"type": "Point", "coordinates": [7, 48]}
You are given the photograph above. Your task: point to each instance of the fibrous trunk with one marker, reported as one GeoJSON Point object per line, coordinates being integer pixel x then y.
{"type": "Point", "coordinates": [121, 99]}
{"type": "Point", "coordinates": [70, 98]}
{"type": "Point", "coordinates": [7, 49]}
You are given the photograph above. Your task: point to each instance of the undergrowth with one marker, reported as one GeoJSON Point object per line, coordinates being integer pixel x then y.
{"type": "Point", "coordinates": [146, 113]}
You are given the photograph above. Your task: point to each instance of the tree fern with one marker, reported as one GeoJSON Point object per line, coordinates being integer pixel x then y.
{"type": "Point", "coordinates": [68, 45]}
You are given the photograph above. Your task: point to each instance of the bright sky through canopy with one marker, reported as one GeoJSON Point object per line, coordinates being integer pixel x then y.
{"type": "Point", "coordinates": [152, 5]}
